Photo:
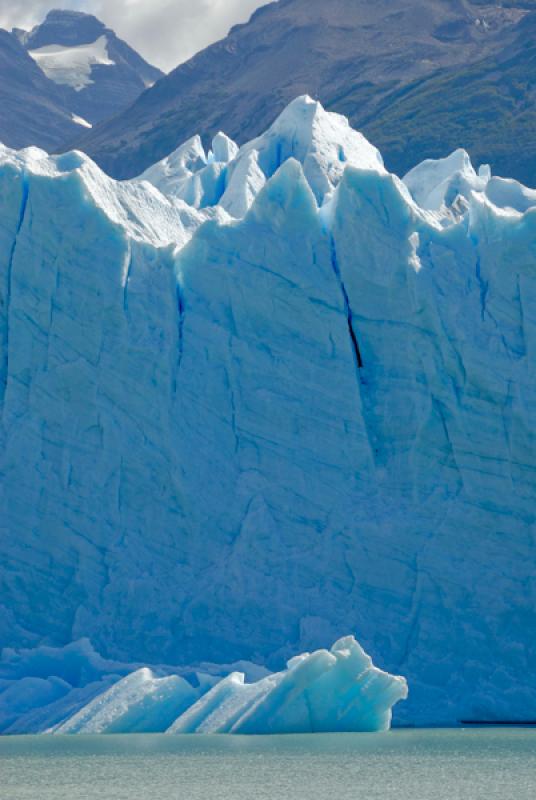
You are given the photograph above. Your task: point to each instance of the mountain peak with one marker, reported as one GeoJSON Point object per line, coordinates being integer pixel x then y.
{"type": "Point", "coordinates": [66, 28]}
{"type": "Point", "coordinates": [67, 13]}
{"type": "Point", "coordinates": [66, 74]}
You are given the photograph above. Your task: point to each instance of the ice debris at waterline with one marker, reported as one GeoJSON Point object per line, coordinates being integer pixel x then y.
{"type": "Point", "coordinates": [326, 691]}
{"type": "Point", "coordinates": [265, 395]}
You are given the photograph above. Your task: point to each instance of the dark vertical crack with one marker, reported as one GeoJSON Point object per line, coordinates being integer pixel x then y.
{"type": "Point", "coordinates": [521, 316]}
{"type": "Point", "coordinates": [4, 372]}
{"type": "Point", "coordinates": [347, 308]}
{"type": "Point", "coordinates": [180, 341]}
{"type": "Point", "coordinates": [233, 408]}
{"type": "Point", "coordinates": [278, 156]}
{"type": "Point", "coordinates": [438, 406]}
{"type": "Point", "coordinates": [483, 287]}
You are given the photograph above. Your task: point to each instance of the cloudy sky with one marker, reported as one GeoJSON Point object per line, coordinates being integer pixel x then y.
{"type": "Point", "coordinates": [165, 32]}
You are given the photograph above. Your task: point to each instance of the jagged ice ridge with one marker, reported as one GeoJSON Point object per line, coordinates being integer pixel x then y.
{"type": "Point", "coordinates": [259, 397]}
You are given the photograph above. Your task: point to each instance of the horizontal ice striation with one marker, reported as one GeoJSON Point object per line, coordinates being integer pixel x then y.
{"type": "Point", "coordinates": [326, 691]}
{"type": "Point", "coordinates": [239, 432]}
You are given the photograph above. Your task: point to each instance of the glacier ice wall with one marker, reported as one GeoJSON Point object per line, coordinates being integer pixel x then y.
{"type": "Point", "coordinates": [249, 405]}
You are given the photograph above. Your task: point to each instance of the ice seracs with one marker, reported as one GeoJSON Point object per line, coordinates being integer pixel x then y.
{"type": "Point", "coordinates": [237, 431]}
{"type": "Point", "coordinates": [323, 143]}
{"type": "Point", "coordinates": [437, 184]}
{"type": "Point", "coordinates": [223, 148]}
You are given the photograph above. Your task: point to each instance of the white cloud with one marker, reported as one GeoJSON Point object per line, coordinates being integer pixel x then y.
{"type": "Point", "coordinates": [165, 32]}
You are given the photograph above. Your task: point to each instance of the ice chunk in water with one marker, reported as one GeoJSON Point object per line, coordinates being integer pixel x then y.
{"type": "Point", "coordinates": [140, 703]}
{"type": "Point", "coordinates": [326, 691]}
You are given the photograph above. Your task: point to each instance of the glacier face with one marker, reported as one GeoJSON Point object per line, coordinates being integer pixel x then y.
{"type": "Point", "coordinates": [248, 405]}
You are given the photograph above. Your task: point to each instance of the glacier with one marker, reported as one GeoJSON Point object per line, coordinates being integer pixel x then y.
{"type": "Point", "coordinates": [257, 398]}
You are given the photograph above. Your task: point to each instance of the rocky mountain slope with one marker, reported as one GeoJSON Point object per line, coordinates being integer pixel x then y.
{"type": "Point", "coordinates": [98, 73]}
{"type": "Point", "coordinates": [64, 76]}
{"type": "Point", "coordinates": [357, 57]}
{"type": "Point", "coordinates": [32, 109]}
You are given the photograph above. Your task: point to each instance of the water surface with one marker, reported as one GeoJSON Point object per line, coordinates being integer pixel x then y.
{"type": "Point", "coordinates": [473, 764]}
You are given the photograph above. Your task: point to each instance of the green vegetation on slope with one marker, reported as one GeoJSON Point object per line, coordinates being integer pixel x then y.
{"type": "Point", "coordinates": [488, 108]}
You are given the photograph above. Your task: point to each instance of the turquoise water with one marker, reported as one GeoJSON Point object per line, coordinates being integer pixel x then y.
{"type": "Point", "coordinates": [406, 765]}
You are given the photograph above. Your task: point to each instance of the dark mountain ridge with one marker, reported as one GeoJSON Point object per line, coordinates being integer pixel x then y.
{"type": "Point", "coordinates": [355, 57]}
{"type": "Point", "coordinates": [32, 109]}
{"type": "Point", "coordinates": [43, 107]}
{"type": "Point", "coordinates": [113, 86]}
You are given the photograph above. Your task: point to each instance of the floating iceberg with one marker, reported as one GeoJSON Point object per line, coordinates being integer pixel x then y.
{"type": "Point", "coordinates": [326, 691]}
{"type": "Point", "coordinates": [140, 703]}
{"type": "Point", "coordinates": [262, 396]}
{"type": "Point", "coordinates": [323, 692]}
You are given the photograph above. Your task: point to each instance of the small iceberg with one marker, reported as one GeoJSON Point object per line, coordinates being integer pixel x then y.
{"type": "Point", "coordinates": [337, 690]}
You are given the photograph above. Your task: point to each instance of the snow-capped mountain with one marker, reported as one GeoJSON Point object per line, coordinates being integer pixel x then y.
{"type": "Point", "coordinates": [396, 68]}
{"type": "Point", "coordinates": [62, 77]}
{"type": "Point", "coordinates": [98, 74]}
{"type": "Point", "coordinates": [259, 398]}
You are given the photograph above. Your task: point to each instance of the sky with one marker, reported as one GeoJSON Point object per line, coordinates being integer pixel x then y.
{"type": "Point", "coordinates": [165, 32]}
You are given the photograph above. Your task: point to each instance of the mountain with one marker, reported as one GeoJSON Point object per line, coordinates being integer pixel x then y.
{"type": "Point", "coordinates": [32, 110]}
{"type": "Point", "coordinates": [62, 77]}
{"type": "Point", "coordinates": [262, 398]}
{"type": "Point", "coordinates": [97, 73]}
{"type": "Point", "coordinates": [489, 107]}
{"type": "Point", "coordinates": [357, 57]}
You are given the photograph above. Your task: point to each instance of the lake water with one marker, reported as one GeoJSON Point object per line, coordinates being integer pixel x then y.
{"type": "Point", "coordinates": [404, 764]}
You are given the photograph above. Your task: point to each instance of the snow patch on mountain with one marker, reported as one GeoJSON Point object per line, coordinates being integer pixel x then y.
{"type": "Point", "coordinates": [72, 66]}
{"type": "Point", "coordinates": [80, 121]}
